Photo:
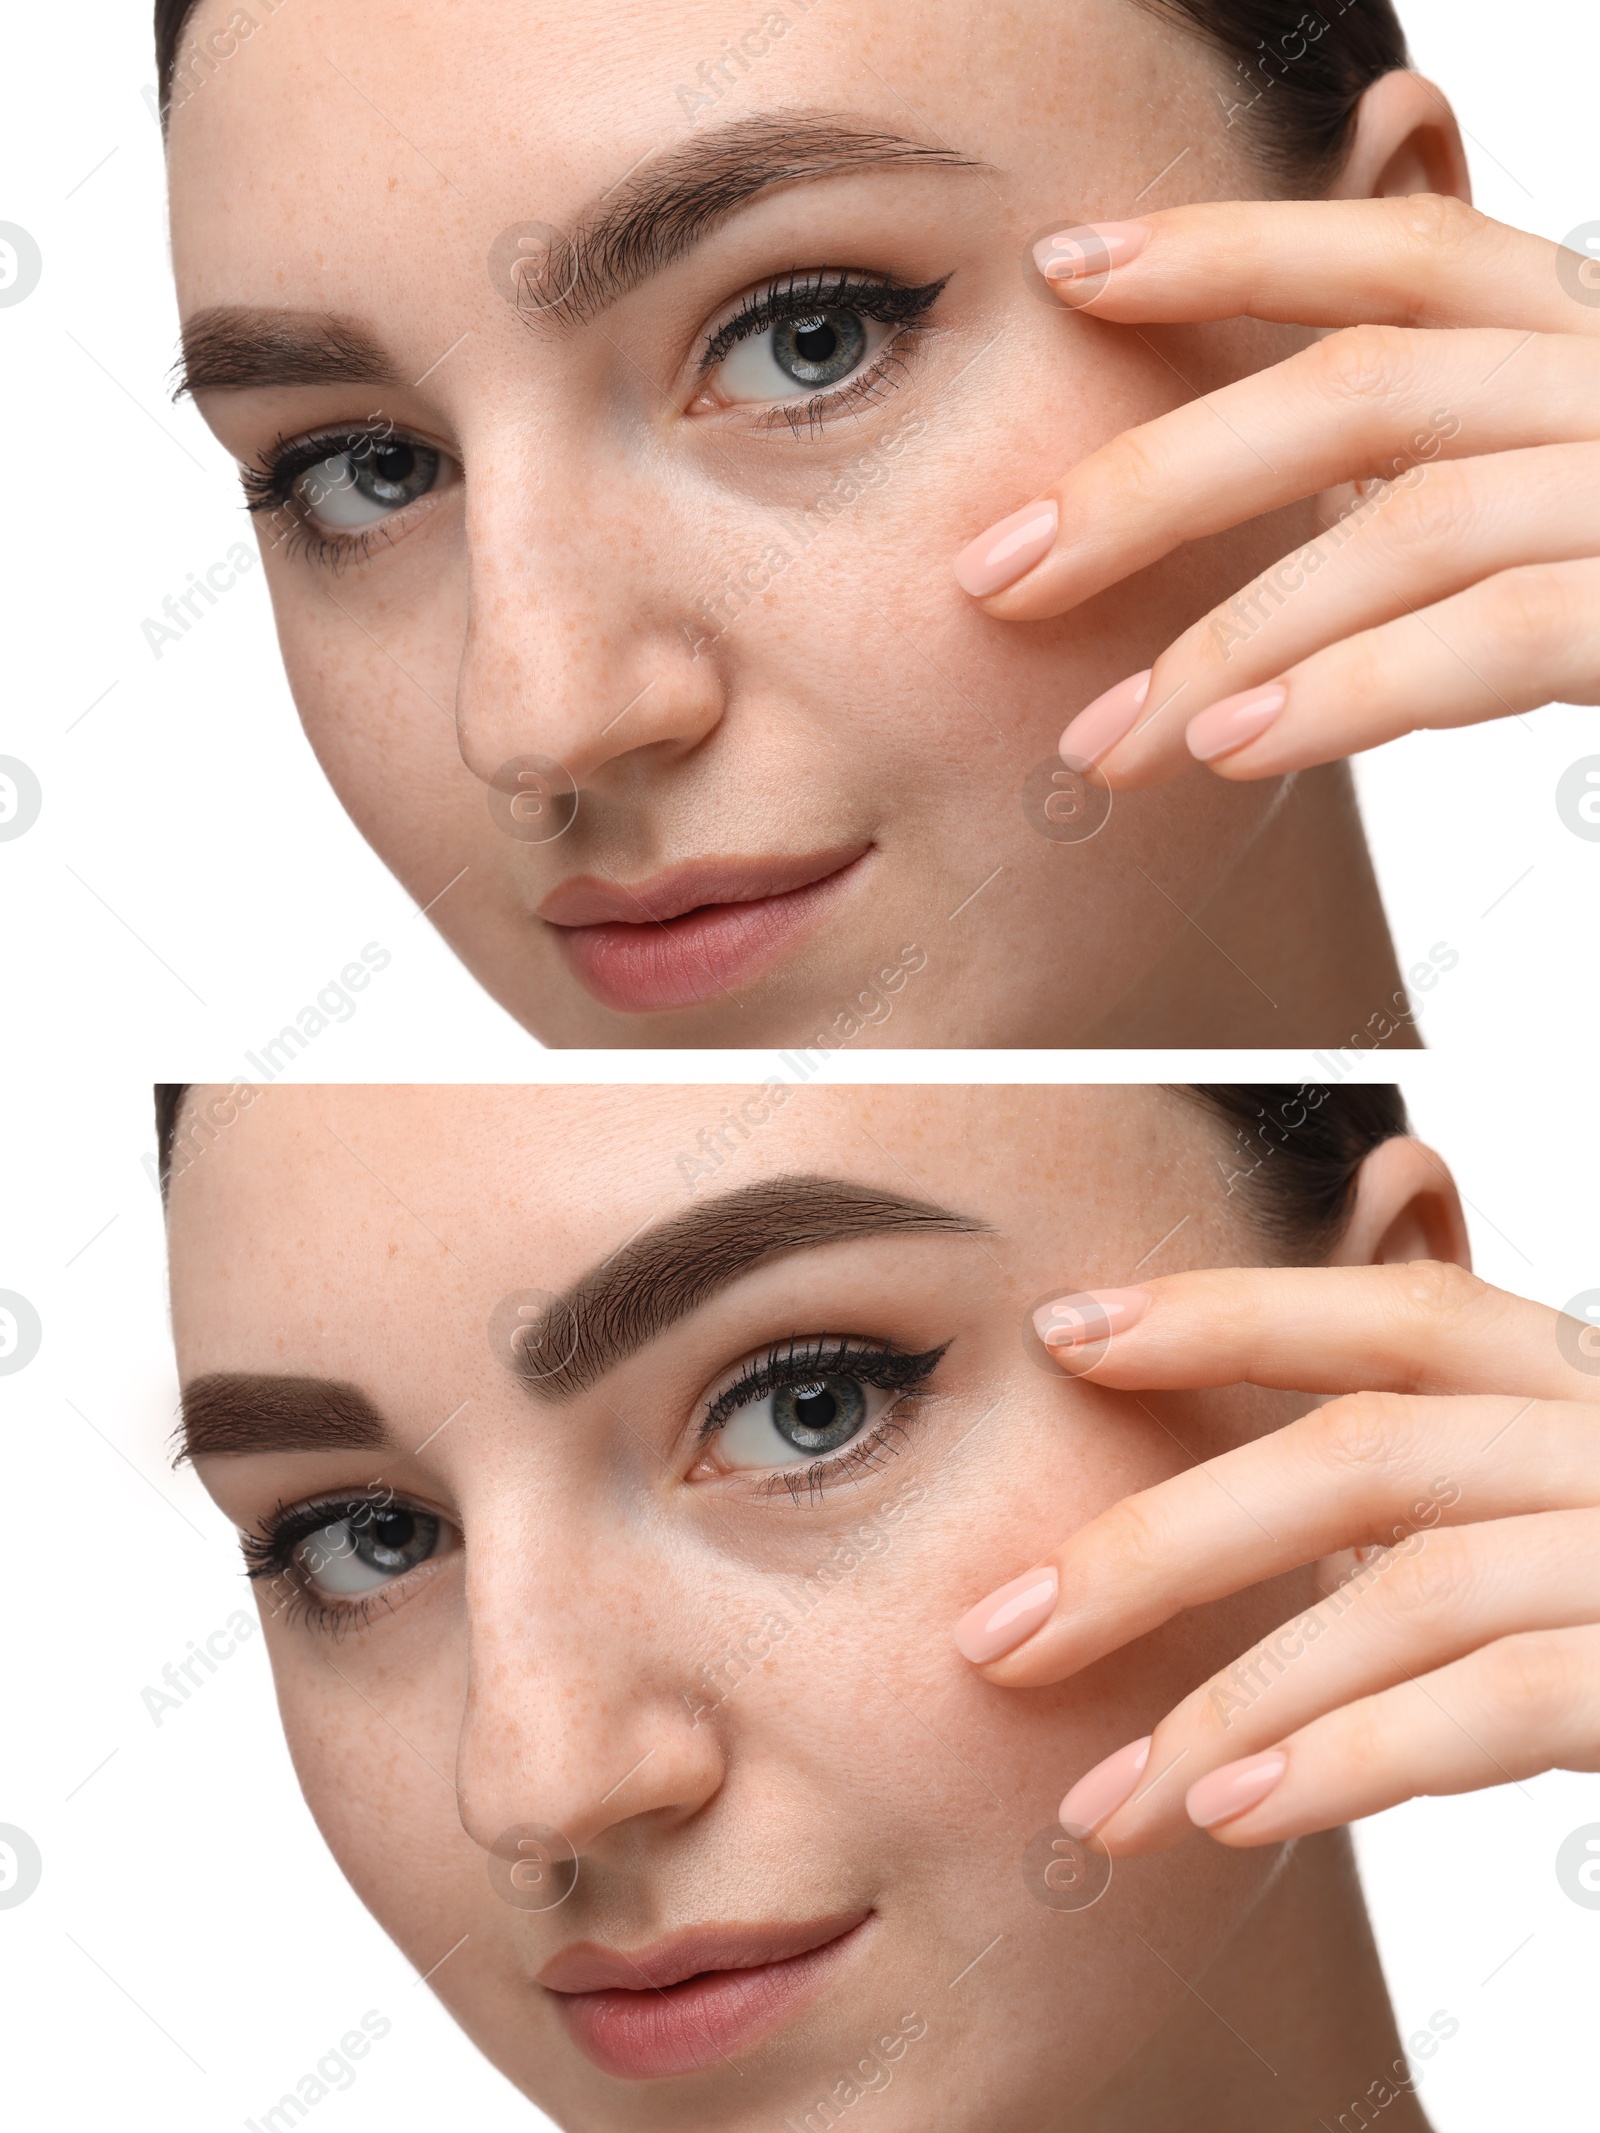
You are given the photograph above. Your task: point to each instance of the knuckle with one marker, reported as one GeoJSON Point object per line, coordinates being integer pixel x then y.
{"type": "Point", "coordinates": [1440, 223]}
{"type": "Point", "coordinates": [1364, 1431]}
{"type": "Point", "coordinates": [1440, 1579]}
{"type": "Point", "coordinates": [1533, 604]}
{"type": "Point", "coordinates": [1438, 1288]}
{"type": "Point", "coordinates": [1431, 512]}
{"type": "Point", "coordinates": [1366, 362]}
{"type": "Point", "coordinates": [1533, 1675]}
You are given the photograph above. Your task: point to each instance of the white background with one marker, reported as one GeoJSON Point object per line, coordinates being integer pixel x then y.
{"type": "Point", "coordinates": [189, 1919]}
{"type": "Point", "coordinates": [215, 884]}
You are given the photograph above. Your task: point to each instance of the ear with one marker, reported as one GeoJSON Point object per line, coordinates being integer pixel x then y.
{"type": "Point", "coordinates": [1404, 140]}
{"type": "Point", "coordinates": [1405, 1206]}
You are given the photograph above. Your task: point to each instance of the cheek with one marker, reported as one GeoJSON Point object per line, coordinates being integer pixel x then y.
{"type": "Point", "coordinates": [386, 1816]}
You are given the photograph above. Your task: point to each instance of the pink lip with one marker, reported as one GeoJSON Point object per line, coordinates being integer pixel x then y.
{"type": "Point", "coordinates": [686, 935]}
{"type": "Point", "coordinates": [690, 2000]}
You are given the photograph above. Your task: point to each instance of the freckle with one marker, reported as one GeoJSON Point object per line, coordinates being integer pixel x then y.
{"type": "Point", "coordinates": [393, 182]}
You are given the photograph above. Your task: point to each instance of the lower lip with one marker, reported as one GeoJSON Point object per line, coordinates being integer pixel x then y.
{"type": "Point", "coordinates": [682, 2029]}
{"type": "Point", "coordinates": [683, 962]}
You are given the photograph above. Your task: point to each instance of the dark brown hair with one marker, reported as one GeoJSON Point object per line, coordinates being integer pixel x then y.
{"type": "Point", "coordinates": [1299, 72]}
{"type": "Point", "coordinates": [1291, 1149]}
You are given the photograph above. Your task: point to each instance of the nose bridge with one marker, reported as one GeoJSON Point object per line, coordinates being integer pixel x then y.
{"type": "Point", "coordinates": [579, 1711]}
{"type": "Point", "coordinates": [580, 645]}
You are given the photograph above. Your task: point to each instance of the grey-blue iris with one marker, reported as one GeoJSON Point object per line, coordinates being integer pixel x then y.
{"type": "Point", "coordinates": [821, 1416]}
{"type": "Point", "coordinates": [821, 349]}
{"type": "Point", "coordinates": [393, 473]}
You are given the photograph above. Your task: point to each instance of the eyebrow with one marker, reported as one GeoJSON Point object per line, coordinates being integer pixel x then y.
{"type": "Point", "coordinates": [647, 1284]}
{"type": "Point", "coordinates": [653, 1280]}
{"type": "Point", "coordinates": [248, 1411]}
{"type": "Point", "coordinates": [631, 232]}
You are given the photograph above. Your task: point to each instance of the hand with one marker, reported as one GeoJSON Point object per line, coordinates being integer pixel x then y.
{"type": "Point", "coordinates": [1463, 1651]}
{"type": "Point", "coordinates": [1462, 585]}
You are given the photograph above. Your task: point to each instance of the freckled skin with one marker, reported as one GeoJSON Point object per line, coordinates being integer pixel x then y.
{"type": "Point", "coordinates": [553, 1669]}
{"type": "Point", "coordinates": [860, 698]}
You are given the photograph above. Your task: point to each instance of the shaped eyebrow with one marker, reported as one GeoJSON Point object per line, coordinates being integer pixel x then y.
{"type": "Point", "coordinates": [653, 1280]}
{"type": "Point", "coordinates": [618, 241]}
{"type": "Point", "coordinates": [618, 1307]}
{"type": "Point", "coordinates": [254, 1411]}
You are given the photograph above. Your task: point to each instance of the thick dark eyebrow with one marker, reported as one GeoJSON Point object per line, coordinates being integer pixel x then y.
{"type": "Point", "coordinates": [651, 218]}
{"type": "Point", "coordinates": [235, 346]}
{"type": "Point", "coordinates": [245, 1411]}
{"type": "Point", "coordinates": [653, 1280]}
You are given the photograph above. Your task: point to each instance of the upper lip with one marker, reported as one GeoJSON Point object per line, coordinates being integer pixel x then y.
{"type": "Point", "coordinates": [589, 900]}
{"type": "Point", "coordinates": [586, 1966]}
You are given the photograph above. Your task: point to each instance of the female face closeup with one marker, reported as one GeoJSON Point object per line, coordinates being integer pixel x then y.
{"type": "Point", "coordinates": [621, 1512]}
{"type": "Point", "coordinates": [616, 387]}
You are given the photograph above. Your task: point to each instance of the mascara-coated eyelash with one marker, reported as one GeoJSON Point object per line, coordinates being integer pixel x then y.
{"type": "Point", "coordinates": [375, 1520]}
{"type": "Point", "coordinates": [374, 454]}
{"type": "Point", "coordinates": [802, 300]}
{"type": "Point", "coordinates": [809, 1365]}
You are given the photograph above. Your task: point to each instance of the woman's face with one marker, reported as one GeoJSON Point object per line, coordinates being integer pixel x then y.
{"type": "Point", "coordinates": [614, 577]}
{"type": "Point", "coordinates": [659, 1574]}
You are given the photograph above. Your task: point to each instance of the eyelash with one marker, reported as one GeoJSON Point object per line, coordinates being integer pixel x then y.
{"type": "Point", "coordinates": [270, 487]}
{"type": "Point", "coordinates": [270, 1554]}
{"type": "Point", "coordinates": [794, 1362]}
{"type": "Point", "coordinates": [792, 296]}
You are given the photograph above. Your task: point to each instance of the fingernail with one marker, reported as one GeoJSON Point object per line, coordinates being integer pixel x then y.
{"type": "Point", "coordinates": [1227, 1792]}
{"type": "Point", "coordinates": [998, 1624]}
{"type": "Point", "coordinates": [1099, 726]}
{"type": "Point", "coordinates": [1091, 248]}
{"type": "Point", "coordinates": [1101, 1791]}
{"type": "Point", "coordinates": [1000, 556]}
{"type": "Point", "coordinates": [1093, 1316]}
{"type": "Point", "coordinates": [1234, 721]}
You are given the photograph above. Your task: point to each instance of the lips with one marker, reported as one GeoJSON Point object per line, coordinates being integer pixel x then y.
{"type": "Point", "coordinates": [689, 2001]}
{"type": "Point", "coordinates": [684, 936]}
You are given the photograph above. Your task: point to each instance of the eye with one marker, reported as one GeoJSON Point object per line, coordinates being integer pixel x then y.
{"type": "Point", "coordinates": [811, 1418]}
{"type": "Point", "coordinates": [796, 356]}
{"type": "Point", "coordinates": [369, 1547]}
{"type": "Point", "coordinates": [369, 479]}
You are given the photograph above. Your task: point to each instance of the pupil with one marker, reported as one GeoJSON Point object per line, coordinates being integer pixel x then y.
{"type": "Point", "coordinates": [393, 1529]}
{"type": "Point", "coordinates": [821, 349]}
{"type": "Point", "coordinates": [814, 1406]}
{"type": "Point", "coordinates": [393, 462]}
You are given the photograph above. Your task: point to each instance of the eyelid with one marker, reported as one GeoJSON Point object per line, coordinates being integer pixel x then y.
{"type": "Point", "coordinates": [786, 296]}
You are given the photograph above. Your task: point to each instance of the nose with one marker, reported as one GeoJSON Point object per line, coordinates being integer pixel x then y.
{"type": "Point", "coordinates": [582, 636]}
{"type": "Point", "coordinates": [581, 1714]}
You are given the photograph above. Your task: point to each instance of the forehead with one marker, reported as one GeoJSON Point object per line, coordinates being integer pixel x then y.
{"type": "Point", "coordinates": [311, 1202]}
{"type": "Point", "coordinates": [486, 112]}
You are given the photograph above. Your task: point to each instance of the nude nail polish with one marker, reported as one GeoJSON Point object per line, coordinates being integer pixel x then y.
{"type": "Point", "coordinates": [1234, 721]}
{"type": "Point", "coordinates": [1074, 1321]}
{"type": "Point", "coordinates": [998, 1624]}
{"type": "Point", "coordinates": [1099, 726]}
{"type": "Point", "coordinates": [1091, 248]}
{"type": "Point", "coordinates": [1227, 1792]}
{"type": "Point", "coordinates": [1000, 556]}
{"type": "Point", "coordinates": [1109, 1785]}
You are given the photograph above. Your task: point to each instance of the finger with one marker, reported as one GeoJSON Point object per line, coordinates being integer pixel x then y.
{"type": "Point", "coordinates": [1413, 1610]}
{"type": "Point", "coordinates": [1422, 260]}
{"type": "Point", "coordinates": [1518, 640]}
{"type": "Point", "coordinates": [1507, 1712]}
{"type": "Point", "coordinates": [1368, 401]}
{"type": "Point", "coordinates": [1424, 1327]}
{"type": "Point", "coordinates": [1368, 1467]}
{"type": "Point", "coordinates": [1409, 545]}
